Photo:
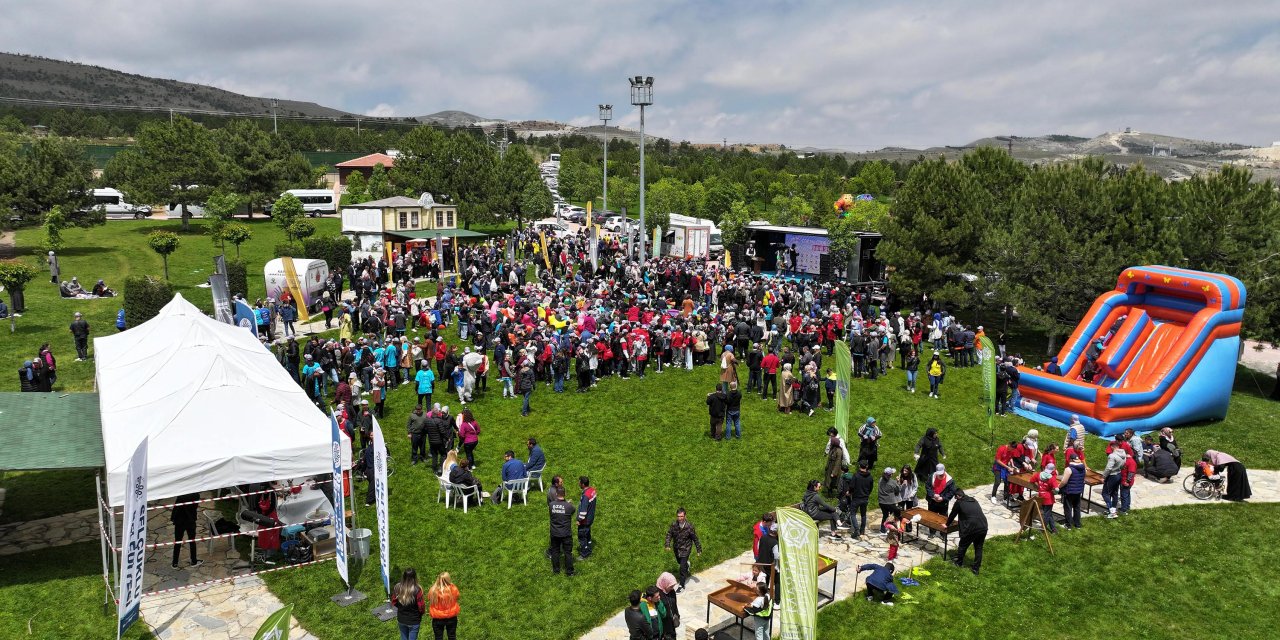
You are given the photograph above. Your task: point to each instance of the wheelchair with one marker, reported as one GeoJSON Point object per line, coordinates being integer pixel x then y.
{"type": "Point", "coordinates": [1204, 487]}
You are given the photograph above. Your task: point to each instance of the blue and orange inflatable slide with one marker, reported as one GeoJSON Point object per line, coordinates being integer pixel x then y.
{"type": "Point", "coordinates": [1161, 349]}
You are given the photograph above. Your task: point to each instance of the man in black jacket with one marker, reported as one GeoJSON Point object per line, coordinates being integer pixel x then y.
{"type": "Point", "coordinates": [437, 430]}
{"type": "Point", "coordinates": [184, 524]}
{"type": "Point", "coordinates": [637, 625]}
{"type": "Point", "coordinates": [973, 528]}
{"type": "Point", "coordinates": [562, 516]}
{"type": "Point", "coordinates": [716, 407]}
{"type": "Point", "coordinates": [860, 489]}
{"type": "Point", "coordinates": [754, 358]}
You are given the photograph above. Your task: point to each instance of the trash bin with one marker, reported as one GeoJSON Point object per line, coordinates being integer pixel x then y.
{"type": "Point", "coordinates": [357, 553]}
{"type": "Point", "coordinates": [358, 544]}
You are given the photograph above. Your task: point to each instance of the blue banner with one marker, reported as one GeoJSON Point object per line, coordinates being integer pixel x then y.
{"type": "Point", "coordinates": [245, 317]}
{"type": "Point", "coordinates": [339, 514]}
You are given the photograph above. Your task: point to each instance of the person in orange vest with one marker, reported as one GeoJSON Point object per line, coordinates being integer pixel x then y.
{"type": "Point", "coordinates": [444, 607]}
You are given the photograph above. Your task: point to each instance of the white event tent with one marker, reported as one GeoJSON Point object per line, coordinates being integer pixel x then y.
{"type": "Point", "coordinates": [218, 408]}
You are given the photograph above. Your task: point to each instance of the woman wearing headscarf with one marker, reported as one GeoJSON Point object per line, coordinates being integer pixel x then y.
{"type": "Point", "coordinates": [837, 459]}
{"type": "Point", "coordinates": [1168, 443]}
{"type": "Point", "coordinates": [1237, 477]}
{"type": "Point", "coordinates": [1032, 442]}
{"type": "Point", "coordinates": [928, 453]}
{"type": "Point", "coordinates": [1075, 433]}
{"type": "Point", "coordinates": [786, 394]}
{"type": "Point", "coordinates": [667, 585]}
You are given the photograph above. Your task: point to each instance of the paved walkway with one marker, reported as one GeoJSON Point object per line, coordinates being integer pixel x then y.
{"type": "Point", "coordinates": [850, 554]}
{"type": "Point", "coordinates": [68, 528]}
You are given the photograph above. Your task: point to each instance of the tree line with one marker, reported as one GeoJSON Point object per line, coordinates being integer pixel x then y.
{"type": "Point", "coordinates": [991, 233]}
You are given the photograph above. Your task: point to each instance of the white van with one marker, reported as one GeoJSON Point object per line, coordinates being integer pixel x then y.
{"type": "Point", "coordinates": [312, 277]}
{"type": "Point", "coordinates": [112, 203]}
{"type": "Point", "coordinates": [315, 202]}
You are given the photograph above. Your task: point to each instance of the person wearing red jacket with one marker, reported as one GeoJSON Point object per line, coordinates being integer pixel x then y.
{"type": "Point", "coordinates": [1128, 476]}
{"type": "Point", "coordinates": [769, 375]}
{"type": "Point", "coordinates": [1046, 485]}
{"type": "Point", "coordinates": [1001, 468]}
{"type": "Point", "coordinates": [758, 531]}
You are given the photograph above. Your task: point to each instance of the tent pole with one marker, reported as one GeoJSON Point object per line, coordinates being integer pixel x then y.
{"type": "Point", "coordinates": [115, 558]}
{"type": "Point", "coordinates": [102, 539]}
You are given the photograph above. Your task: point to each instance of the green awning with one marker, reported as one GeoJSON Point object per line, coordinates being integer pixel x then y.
{"type": "Point", "coordinates": [50, 431]}
{"type": "Point", "coordinates": [430, 234]}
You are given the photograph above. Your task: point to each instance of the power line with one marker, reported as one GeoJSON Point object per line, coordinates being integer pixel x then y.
{"type": "Point", "coordinates": [206, 112]}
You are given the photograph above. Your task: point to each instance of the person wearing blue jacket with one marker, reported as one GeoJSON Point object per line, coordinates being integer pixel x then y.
{"type": "Point", "coordinates": [537, 460]}
{"type": "Point", "coordinates": [880, 583]}
{"type": "Point", "coordinates": [512, 470]}
{"type": "Point", "coordinates": [391, 363]}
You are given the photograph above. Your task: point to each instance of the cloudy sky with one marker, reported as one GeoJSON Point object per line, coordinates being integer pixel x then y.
{"type": "Point", "coordinates": [843, 74]}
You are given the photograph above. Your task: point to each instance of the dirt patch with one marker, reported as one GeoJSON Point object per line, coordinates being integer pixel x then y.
{"type": "Point", "coordinates": [7, 249]}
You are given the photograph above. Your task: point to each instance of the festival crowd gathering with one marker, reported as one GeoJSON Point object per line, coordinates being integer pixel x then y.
{"type": "Point", "coordinates": [533, 328]}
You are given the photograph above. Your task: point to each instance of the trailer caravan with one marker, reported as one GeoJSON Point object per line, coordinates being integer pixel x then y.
{"type": "Point", "coordinates": [687, 236]}
{"type": "Point", "coordinates": [313, 276]}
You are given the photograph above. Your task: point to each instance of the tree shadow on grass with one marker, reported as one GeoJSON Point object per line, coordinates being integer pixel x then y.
{"type": "Point", "coordinates": [1253, 383]}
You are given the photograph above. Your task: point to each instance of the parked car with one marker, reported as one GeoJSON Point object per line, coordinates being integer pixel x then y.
{"type": "Point", "coordinates": [598, 217]}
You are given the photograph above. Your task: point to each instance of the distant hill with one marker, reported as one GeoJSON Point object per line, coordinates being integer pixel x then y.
{"type": "Point", "coordinates": [37, 78]}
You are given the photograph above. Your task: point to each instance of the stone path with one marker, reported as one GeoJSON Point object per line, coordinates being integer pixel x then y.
{"type": "Point", "coordinates": [850, 554]}
{"type": "Point", "coordinates": [225, 611]}
{"type": "Point", "coordinates": [69, 528]}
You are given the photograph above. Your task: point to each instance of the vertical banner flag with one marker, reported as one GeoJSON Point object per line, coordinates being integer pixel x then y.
{"type": "Point", "coordinates": [989, 384]}
{"type": "Point", "coordinates": [221, 299]}
{"type": "Point", "coordinates": [339, 514]}
{"type": "Point", "coordinates": [657, 242]}
{"type": "Point", "coordinates": [594, 238]}
{"type": "Point", "coordinates": [133, 551]}
{"type": "Point", "coordinates": [276, 626]}
{"type": "Point", "coordinates": [798, 571]}
{"type": "Point", "coordinates": [440, 254]}
{"type": "Point", "coordinates": [380, 495]}
{"type": "Point", "coordinates": [245, 317]}
{"type": "Point", "coordinates": [295, 289]}
{"type": "Point", "coordinates": [844, 369]}
{"type": "Point", "coordinates": [456, 268]}
{"type": "Point", "coordinates": [543, 236]}
{"type": "Point", "coordinates": [220, 264]}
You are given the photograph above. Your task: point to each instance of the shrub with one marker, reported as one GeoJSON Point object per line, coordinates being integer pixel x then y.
{"type": "Point", "coordinates": [237, 277]}
{"type": "Point", "coordinates": [291, 249]}
{"type": "Point", "coordinates": [144, 296]}
{"type": "Point", "coordinates": [335, 250]}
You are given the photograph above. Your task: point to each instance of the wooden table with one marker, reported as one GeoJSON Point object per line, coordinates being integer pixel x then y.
{"type": "Point", "coordinates": [934, 521]}
{"type": "Point", "coordinates": [1028, 480]}
{"type": "Point", "coordinates": [827, 565]}
{"type": "Point", "coordinates": [733, 599]}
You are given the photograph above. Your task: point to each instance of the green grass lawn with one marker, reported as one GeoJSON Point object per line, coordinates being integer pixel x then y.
{"type": "Point", "coordinates": [57, 593]}
{"type": "Point", "coordinates": [31, 495]}
{"type": "Point", "coordinates": [644, 446]}
{"type": "Point", "coordinates": [1162, 574]}
{"type": "Point", "coordinates": [113, 252]}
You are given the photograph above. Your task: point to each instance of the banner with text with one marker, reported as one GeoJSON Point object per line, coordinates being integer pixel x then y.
{"type": "Point", "coordinates": [221, 299]}
{"type": "Point", "coordinates": [295, 289]}
{"type": "Point", "coordinates": [133, 550]}
{"type": "Point", "coordinates": [380, 495]}
{"type": "Point", "coordinates": [989, 384]}
{"type": "Point", "coordinates": [339, 500]}
{"type": "Point", "coordinates": [844, 370]}
{"type": "Point", "coordinates": [798, 571]}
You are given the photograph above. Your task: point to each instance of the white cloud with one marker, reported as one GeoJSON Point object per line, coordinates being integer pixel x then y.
{"type": "Point", "coordinates": [826, 73]}
{"type": "Point", "coordinates": [383, 110]}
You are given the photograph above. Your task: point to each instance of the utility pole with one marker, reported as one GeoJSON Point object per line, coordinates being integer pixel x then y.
{"type": "Point", "coordinates": [170, 115]}
{"type": "Point", "coordinates": [275, 129]}
{"type": "Point", "coordinates": [357, 127]}
{"type": "Point", "coordinates": [1010, 145]}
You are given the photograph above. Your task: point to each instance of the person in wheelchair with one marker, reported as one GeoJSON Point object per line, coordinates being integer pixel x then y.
{"type": "Point", "coordinates": [1204, 470]}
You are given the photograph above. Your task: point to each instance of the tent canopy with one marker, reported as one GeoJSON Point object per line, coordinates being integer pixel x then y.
{"type": "Point", "coordinates": [50, 431]}
{"type": "Point", "coordinates": [217, 408]}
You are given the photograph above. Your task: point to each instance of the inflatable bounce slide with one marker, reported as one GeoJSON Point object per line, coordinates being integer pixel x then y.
{"type": "Point", "coordinates": [1158, 350]}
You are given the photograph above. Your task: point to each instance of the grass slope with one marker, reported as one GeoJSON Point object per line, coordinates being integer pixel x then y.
{"type": "Point", "coordinates": [57, 593]}
{"type": "Point", "coordinates": [113, 252]}
{"type": "Point", "coordinates": [643, 444]}
{"type": "Point", "coordinates": [1171, 573]}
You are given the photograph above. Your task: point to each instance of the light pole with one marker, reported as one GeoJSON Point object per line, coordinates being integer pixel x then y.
{"type": "Point", "coordinates": [606, 114]}
{"type": "Point", "coordinates": [642, 96]}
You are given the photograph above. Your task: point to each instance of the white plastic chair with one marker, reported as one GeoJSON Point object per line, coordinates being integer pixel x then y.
{"type": "Point", "coordinates": [536, 475]}
{"type": "Point", "coordinates": [446, 490]}
{"type": "Point", "coordinates": [466, 494]}
{"type": "Point", "coordinates": [512, 487]}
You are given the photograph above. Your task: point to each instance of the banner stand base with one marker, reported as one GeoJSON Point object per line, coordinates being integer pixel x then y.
{"type": "Point", "coordinates": [348, 598]}
{"type": "Point", "coordinates": [384, 612]}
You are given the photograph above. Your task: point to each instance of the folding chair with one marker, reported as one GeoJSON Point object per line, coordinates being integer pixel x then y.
{"type": "Point", "coordinates": [536, 475]}
{"type": "Point", "coordinates": [520, 486]}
